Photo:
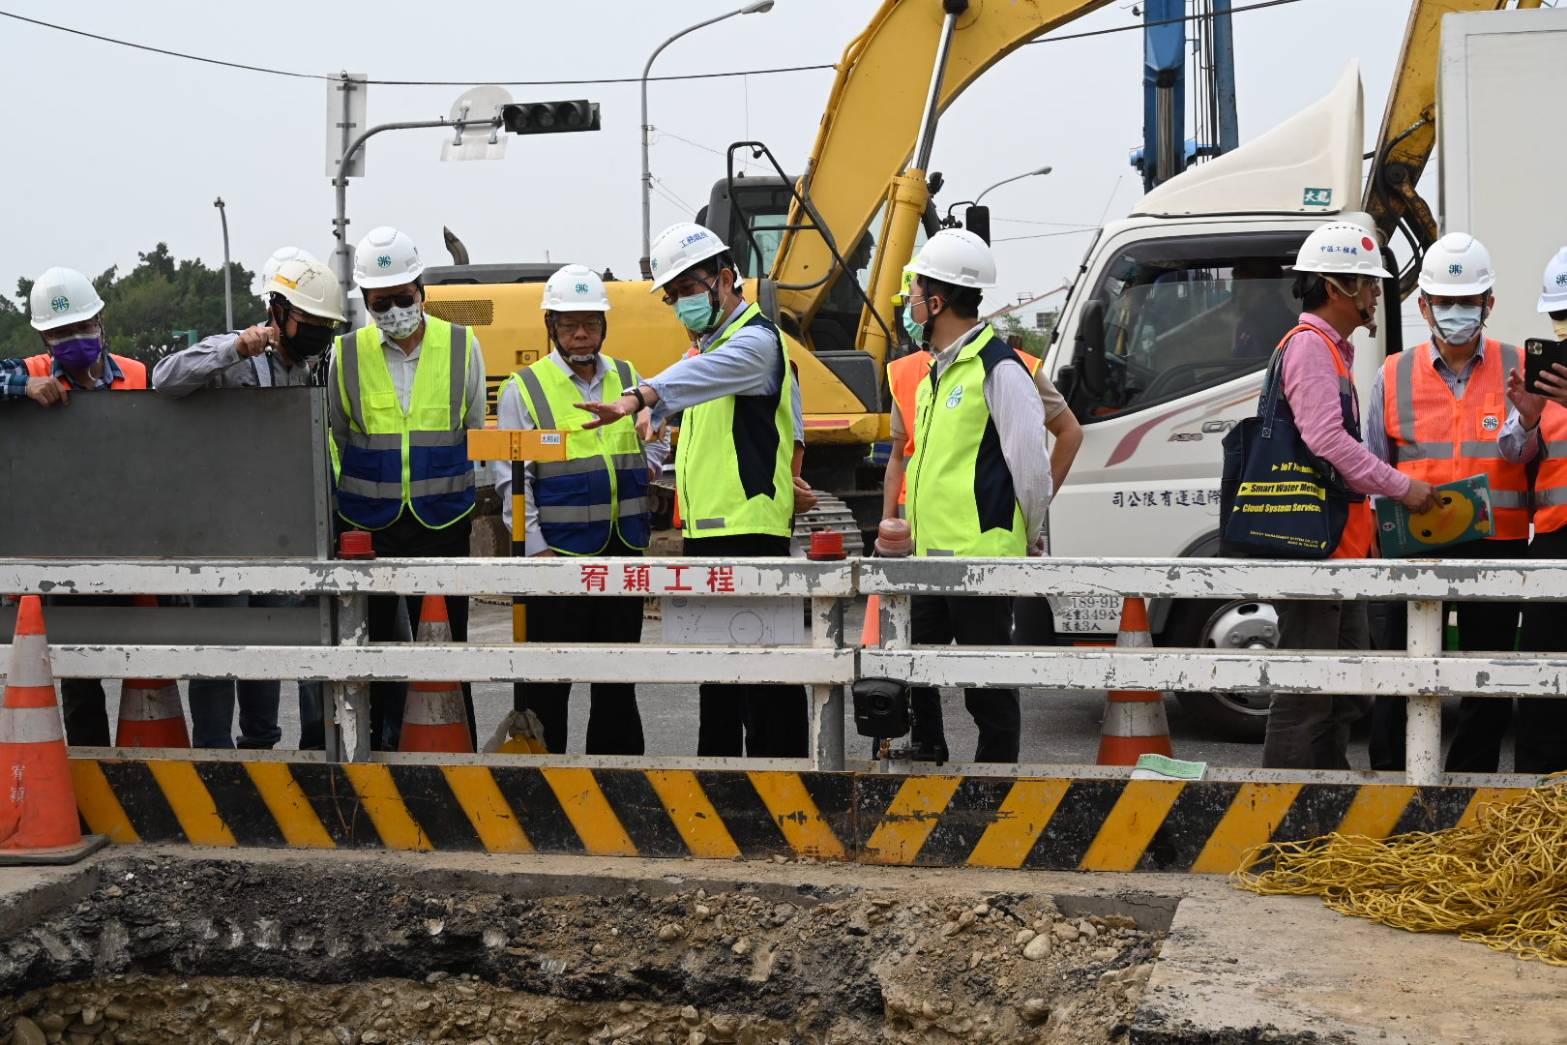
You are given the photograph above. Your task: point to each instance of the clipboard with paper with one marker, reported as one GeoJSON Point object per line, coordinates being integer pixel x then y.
{"type": "Point", "coordinates": [1463, 513]}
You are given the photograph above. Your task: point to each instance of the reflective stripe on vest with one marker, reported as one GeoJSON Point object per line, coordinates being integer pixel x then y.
{"type": "Point", "coordinates": [733, 469]}
{"type": "Point", "coordinates": [1440, 439]}
{"type": "Point", "coordinates": [1550, 482]}
{"type": "Point", "coordinates": [962, 500]}
{"type": "Point", "coordinates": [391, 459]}
{"type": "Point", "coordinates": [1359, 536]}
{"type": "Point", "coordinates": [903, 379]}
{"type": "Point", "coordinates": [601, 487]}
{"type": "Point", "coordinates": [133, 374]}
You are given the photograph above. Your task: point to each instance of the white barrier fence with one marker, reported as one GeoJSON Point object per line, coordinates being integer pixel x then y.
{"type": "Point", "coordinates": [1421, 674]}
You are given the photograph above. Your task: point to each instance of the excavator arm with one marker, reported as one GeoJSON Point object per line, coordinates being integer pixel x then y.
{"type": "Point", "coordinates": [1409, 131]}
{"type": "Point", "coordinates": [871, 128]}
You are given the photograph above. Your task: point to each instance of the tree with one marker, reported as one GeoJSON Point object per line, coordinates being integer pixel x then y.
{"type": "Point", "coordinates": [1033, 340]}
{"type": "Point", "coordinates": [143, 308]}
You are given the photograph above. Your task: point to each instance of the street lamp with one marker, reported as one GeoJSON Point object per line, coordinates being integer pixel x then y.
{"type": "Point", "coordinates": [228, 279]}
{"type": "Point", "coordinates": [952, 224]}
{"type": "Point", "coordinates": [1016, 177]}
{"type": "Point", "coordinates": [759, 7]}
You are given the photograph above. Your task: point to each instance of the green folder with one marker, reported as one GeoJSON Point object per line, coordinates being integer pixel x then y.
{"type": "Point", "coordinates": [1464, 514]}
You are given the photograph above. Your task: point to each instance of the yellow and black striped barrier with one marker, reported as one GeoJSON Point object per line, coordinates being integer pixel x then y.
{"type": "Point", "coordinates": [942, 821]}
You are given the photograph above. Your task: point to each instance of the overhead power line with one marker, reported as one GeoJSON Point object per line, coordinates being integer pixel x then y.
{"type": "Point", "coordinates": [585, 82]}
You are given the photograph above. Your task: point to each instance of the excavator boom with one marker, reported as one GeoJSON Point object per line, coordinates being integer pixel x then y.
{"type": "Point", "coordinates": [1409, 130]}
{"type": "Point", "coordinates": [872, 119]}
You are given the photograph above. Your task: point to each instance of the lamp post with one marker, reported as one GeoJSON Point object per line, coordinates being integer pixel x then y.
{"type": "Point", "coordinates": [228, 279]}
{"type": "Point", "coordinates": [1007, 181]}
{"type": "Point", "coordinates": [759, 7]}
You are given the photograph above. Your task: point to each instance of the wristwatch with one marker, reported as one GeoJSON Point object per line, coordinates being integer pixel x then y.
{"type": "Point", "coordinates": [636, 390]}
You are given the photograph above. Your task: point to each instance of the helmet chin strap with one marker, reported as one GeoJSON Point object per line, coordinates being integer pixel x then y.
{"type": "Point", "coordinates": [577, 360]}
{"type": "Point", "coordinates": [1367, 316]}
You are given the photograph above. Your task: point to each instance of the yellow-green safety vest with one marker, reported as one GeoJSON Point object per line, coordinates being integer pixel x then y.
{"type": "Point", "coordinates": [392, 460]}
{"type": "Point", "coordinates": [601, 487]}
{"type": "Point", "coordinates": [962, 500]}
{"type": "Point", "coordinates": [734, 467]}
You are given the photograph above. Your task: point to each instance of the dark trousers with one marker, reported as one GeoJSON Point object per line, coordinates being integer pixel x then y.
{"type": "Point", "coordinates": [972, 621]}
{"type": "Point", "coordinates": [614, 724]}
{"type": "Point", "coordinates": [765, 720]}
{"type": "Point", "coordinates": [1540, 745]}
{"type": "Point", "coordinates": [1483, 627]}
{"type": "Point", "coordinates": [407, 538]}
{"type": "Point", "coordinates": [212, 701]}
{"type": "Point", "coordinates": [1311, 730]}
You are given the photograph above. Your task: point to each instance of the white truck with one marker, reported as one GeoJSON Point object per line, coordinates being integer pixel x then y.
{"type": "Point", "coordinates": [1163, 339]}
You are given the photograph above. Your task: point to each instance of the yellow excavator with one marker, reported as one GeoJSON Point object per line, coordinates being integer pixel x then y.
{"type": "Point", "coordinates": [824, 251]}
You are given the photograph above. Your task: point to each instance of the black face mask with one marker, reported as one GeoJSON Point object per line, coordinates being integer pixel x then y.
{"type": "Point", "coordinates": [308, 341]}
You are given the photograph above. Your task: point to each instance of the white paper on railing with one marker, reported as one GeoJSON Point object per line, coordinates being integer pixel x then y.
{"type": "Point", "coordinates": [741, 621]}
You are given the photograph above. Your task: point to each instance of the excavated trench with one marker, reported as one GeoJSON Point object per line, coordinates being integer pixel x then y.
{"type": "Point", "coordinates": [180, 950]}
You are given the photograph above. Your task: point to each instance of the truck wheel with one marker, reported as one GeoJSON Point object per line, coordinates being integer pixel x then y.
{"type": "Point", "coordinates": [1213, 624]}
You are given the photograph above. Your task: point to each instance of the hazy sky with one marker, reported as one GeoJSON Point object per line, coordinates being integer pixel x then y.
{"type": "Point", "coordinates": [114, 150]}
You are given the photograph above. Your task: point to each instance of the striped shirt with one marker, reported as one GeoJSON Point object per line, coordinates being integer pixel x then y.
{"type": "Point", "coordinates": [14, 377]}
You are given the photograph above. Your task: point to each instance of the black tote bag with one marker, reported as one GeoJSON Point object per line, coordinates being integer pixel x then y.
{"type": "Point", "coordinates": [1278, 500]}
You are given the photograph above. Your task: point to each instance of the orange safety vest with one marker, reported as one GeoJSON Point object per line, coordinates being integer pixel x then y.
{"type": "Point", "coordinates": [1550, 482]}
{"type": "Point", "coordinates": [1359, 537]}
{"type": "Point", "coordinates": [903, 379]}
{"type": "Point", "coordinates": [1440, 439]}
{"type": "Point", "coordinates": [132, 373]}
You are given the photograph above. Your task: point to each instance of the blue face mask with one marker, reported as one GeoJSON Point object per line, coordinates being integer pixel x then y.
{"type": "Point", "coordinates": [916, 331]}
{"type": "Point", "coordinates": [1457, 324]}
{"type": "Point", "coordinates": [697, 313]}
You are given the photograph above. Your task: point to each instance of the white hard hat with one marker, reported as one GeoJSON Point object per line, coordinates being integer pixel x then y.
{"type": "Point", "coordinates": [282, 254]}
{"type": "Point", "coordinates": [1553, 291]}
{"type": "Point", "coordinates": [956, 256]}
{"type": "Point", "coordinates": [1456, 266]}
{"type": "Point", "coordinates": [679, 247]}
{"type": "Point", "coordinates": [574, 288]}
{"type": "Point", "coordinates": [310, 287]}
{"type": "Point", "coordinates": [1341, 247]}
{"type": "Point", "coordinates": [61, 297]}
{"type": "Point", "coordinates": [386, 258]}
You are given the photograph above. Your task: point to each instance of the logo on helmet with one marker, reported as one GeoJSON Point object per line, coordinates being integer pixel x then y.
{"type": "Point", "coordinates": [581, 288]}
{"type": "Point", "coordinates": [1455, 269]}
{"type": "Point", "coordinates": [384, 261]}
{"type": "Point", "coordinates": [1367, 243]}
{"type": "Point", "coordinates": [60, 304]}
{"type": "Point", "coordinates": [1561, 279]}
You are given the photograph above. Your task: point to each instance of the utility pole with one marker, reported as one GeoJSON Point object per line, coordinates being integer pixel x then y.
{"type": "Point", "coordinates": [228, 277]}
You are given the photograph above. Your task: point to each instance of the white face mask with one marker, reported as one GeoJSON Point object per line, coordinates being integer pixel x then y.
{"type": "Point", "coordinates": [400, 322]}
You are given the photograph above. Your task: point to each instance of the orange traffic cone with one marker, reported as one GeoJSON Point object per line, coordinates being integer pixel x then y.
{"type": "Point", "coordinates": [150, 711]}
{"type": "Point", "coordinates": [435, 717]}
{"type": "Point", "coordinates": [870, 632]}
{"type": "Point", "coordinates": [151, 715]}
{"type": "Point", "coordinates": [38, 819]}
{"type": "Point", "coordinates": [1134, 720]}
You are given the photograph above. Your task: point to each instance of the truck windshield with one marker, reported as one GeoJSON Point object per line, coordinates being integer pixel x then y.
{"type": "Point", "coordinates": [1183, 314]}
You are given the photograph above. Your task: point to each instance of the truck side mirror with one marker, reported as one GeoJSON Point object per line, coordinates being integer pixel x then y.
{"type": "Point", "coordinates": [1089, 354]}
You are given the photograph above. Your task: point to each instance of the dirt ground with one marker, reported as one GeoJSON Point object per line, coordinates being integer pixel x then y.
{"type": "Point", "coordinates": [182, 951]}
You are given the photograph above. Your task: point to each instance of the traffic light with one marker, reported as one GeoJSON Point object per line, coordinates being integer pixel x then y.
{"type": "Point", "coordinates": [550, 117]}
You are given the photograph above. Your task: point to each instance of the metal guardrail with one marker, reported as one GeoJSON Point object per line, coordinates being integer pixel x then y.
{"type": "Point", "coordinates": [1422, 674]}
{"type": "Point", "coordinates": [825, 666]}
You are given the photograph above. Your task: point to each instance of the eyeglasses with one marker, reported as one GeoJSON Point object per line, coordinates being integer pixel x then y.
{"type": "Point", "coordinates": [404, 300]}
{"type": "Point", "coordinates": [579, 324]}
